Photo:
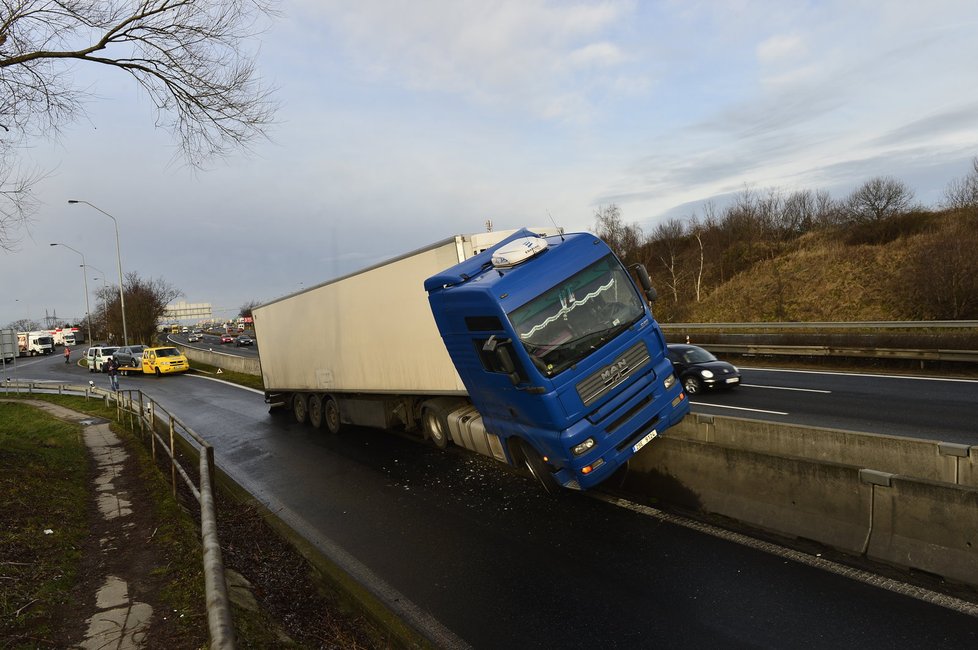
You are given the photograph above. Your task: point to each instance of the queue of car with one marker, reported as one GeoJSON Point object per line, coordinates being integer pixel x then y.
{"type": "Point", "coordinates": [157, 361]}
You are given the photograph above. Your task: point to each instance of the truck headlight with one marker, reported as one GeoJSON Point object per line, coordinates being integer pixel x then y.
{"type": "Point", "coordinates": [707, 374]}
{"type": "Point", "coordinates": [669, 381]}
{"type": "Point", "coordinates": [582, 447]}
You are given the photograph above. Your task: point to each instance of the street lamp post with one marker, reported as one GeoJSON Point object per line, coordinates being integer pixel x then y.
{"type": "Point", "coordinates": [88, 312]}
{"type": "Point", "coordinates": [118, 253]}
{"type": "Point", "coordinates": [105, 292]}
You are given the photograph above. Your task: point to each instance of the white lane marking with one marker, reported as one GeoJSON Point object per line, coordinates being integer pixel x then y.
{"type": "Point", "coordinates": [227, 383]}
{"type": "Point", "coordinates": [737, 408]}
{"type": "Point", "coordinates": [815, 561]}
{"type": "Point", "coordinates": [801, 390]}
{"type": "Point", "coordinates": [860, 374]}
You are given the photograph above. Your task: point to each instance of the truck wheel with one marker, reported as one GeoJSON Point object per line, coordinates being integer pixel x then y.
{"type": "Point", "coordinates": [435, 426]}
{"type": "Point", "coordinates": [158, 373]}
{"type": "Point", "coordinates": [300, 407]}
{"type": "Point", "coordinates": [539, 469]}
{"type": "Point", "coordinates": [316, 411]}
{"type": "Point", "coordinates": [331, 415]}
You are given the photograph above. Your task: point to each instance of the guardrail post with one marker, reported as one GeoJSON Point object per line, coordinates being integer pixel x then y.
{"type": "Point", "coordinates": [215, 585]}
{"type": "Point", "coordinates": [173, 460]}
{"type": "Point", "coordinates": [152, 427]}
{"type": "Point", "coordinates": [142, 428]}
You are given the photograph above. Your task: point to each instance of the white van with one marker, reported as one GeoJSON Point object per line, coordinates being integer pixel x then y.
{"type": "Point", "coordinates": [97, 356]}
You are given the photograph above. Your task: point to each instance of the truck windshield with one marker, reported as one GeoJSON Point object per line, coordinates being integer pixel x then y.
{"type": "Point", "coordinates": [578, 316]}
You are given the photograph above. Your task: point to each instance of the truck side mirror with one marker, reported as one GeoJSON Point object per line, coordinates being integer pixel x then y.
{"type": "Point", "coordinates": [645, 281]}
{"type": "Point", "coordinates": [507, 364]}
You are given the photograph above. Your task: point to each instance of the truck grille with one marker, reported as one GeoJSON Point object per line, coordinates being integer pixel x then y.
{"type": "Point", "coordinates": [604, 380]}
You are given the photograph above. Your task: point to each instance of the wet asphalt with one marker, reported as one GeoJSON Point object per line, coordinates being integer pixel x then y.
{"type": "Point", "coordinates": [477, 552]}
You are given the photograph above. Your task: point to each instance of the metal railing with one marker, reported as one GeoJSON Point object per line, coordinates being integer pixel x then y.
{"type": "Point", "coordinates": [826, 325]}
{"type": "Point", "coordinates": [817, 331]}
{"type": "Point", "coordinates": [146, 413]}
{"type": "Point", "coordinates": [970, 356]}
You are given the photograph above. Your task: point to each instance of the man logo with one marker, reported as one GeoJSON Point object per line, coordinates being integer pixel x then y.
{"type": "Point", "coordinates": [615, 372]}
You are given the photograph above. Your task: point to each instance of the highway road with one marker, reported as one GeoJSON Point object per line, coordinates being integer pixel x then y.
{"type": "Point", "coordinates": [213, 342]}
{"type": "Point", "coordinates": [918, 407]}
{"type": "Point", "coordinates": [480, 558]}
{"type": "Point", "coordinates": [932, 408]}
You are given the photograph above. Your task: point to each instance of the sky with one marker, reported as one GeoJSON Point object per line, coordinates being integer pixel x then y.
{"type": "Point", "coordinates": [403, 122]}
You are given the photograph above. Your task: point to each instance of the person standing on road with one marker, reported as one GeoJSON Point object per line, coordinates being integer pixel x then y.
{"type": "Point", "coordinates": [113, 370]}
{"type": "Point", "coordinates": [67, 355]}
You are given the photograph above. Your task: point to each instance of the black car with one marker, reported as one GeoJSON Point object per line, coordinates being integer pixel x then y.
{"type": "Point", "coordinates": [243, 340]}
{"type": "Point", "coordinates": [699, 370]}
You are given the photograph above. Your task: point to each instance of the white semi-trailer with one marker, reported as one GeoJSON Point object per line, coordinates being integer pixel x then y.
{"type": "Point", "coordinates": [373, 339]}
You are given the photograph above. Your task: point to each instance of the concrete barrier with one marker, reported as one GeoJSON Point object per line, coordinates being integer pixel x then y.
{"type": "Point", "coordinates": [926, 525]}
{"type": "Point", "coordinates": [907, 521]}
{"type": "Point", "coordinates": [926, 459]}
{"type": "Point", "coordinates": [223, 360]}
{"type": "Point", "coordinates": [821, 501]}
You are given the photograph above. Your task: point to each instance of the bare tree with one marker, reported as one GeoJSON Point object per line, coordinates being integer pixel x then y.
{"type": "Point", "coordinates": [24, 325]}
{"type": "Point", "coordinates": [247, 308]}
{"type": "Point", "coordinates": [667, 242]}
{"type": "Point", "coordinates": [622, 238]}
{"type": "Point", "coordinates": [962, 193]}
{"type": "Point", "coordinates": [146, 301]}
{"type": "Point", "coordinates": [939, 280]}
{"type": "Point", "coordinates": [878, 199]}
{"type": "Point", "coordinates": [697, 232]}
{"type": "Point", "coordinates": [187, 55]}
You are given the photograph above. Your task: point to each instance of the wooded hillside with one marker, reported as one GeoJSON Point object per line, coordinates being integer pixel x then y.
{"type": "Point", "coordinates": [804, 256]}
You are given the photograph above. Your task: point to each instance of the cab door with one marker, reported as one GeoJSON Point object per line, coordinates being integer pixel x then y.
{"type": "Point", "coordinates": [149, 358]}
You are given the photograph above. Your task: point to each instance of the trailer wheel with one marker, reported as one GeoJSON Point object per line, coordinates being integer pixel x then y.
{"type": "Point", "coordinates": [539, 469]}
{"type": "Point", "coordinates": [316, 411]}
{"type": "Point", "coordinates": [435, 426]}
{"type": "Point", "coordinates": [331, 414]}
{"type": "Point", "coordinates": [300, 407]}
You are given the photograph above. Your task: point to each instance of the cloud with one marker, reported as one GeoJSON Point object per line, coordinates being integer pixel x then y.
{"type": "Point", "coordinates": [959, 121]}
{"type": "Point", "coordinates": [776, 50]}
{"type": "Point", "coordinates": [518, 54]}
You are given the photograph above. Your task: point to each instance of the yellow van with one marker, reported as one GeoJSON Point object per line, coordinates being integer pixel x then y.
{"type": "Point", "coordinates": [163, 361]}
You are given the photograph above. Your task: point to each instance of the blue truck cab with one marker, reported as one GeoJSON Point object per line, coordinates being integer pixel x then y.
{"type": "Point", "coordinates": [559, 353]}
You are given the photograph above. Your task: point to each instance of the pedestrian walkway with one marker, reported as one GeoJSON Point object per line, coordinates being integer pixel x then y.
{"type": "Point", "coordinates": [119, 622]}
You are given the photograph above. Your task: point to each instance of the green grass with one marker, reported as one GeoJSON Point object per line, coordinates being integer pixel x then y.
{"type": "Point", "coordinates": [240, 378]}
{"type": "Point", "coordinates": [45, 484]}
{"type": "Point", "coordinates": [44, 480]}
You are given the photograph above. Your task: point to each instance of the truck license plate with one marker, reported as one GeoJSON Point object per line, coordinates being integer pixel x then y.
{"type": "Point", "coordinates": [644, 441]}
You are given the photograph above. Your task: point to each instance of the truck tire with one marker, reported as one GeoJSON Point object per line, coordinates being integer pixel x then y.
{"type": "Point", "coordinates": [316, 410]}
{"type": "Point", "coordinates": [435, 426]}
{"type": "Point", "coordinates": [300, 408]}
{"type": "Point", "coordinates": [331, 414]}
{"type": "Point", "coordinates": [539, 469]}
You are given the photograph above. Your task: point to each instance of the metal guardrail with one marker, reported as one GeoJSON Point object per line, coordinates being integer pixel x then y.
{"type": "Point", "coordinates": [826, 325]}
{"type": "Point", "coordinates": [828, 351]}
{"type": "Point", "coordinates": [916, 354]}
{"type": "Point", "coordinates": [151, 415]}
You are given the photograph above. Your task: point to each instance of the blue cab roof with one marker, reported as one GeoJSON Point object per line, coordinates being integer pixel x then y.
{"type": "Point", "coordinates": [470, 268]}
